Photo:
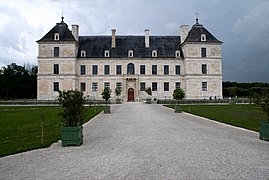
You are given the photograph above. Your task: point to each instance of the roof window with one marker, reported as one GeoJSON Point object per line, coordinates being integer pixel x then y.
{"type": "Point", "coordinates": [83, 53]}
{"type": "Point", "coordinates": [154, 53]}
{"type": "Point", "coordinates": [56, 36]}
{"type": "Point", "coordinates": [130, 53]}
{"type": "Point", "coordinates": [177, 54]}
{"type": "Point", "coordinates": [106, 53]}
{"type": "Point", "coordinates": [203, 37]}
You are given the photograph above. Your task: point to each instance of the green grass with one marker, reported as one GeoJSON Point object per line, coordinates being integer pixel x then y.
{"type": "Point", "coordinates": [20, 127]}
{"type": "Point", "coordinates": [245, 115]}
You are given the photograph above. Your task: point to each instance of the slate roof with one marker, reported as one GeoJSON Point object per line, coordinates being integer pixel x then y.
{"type": "Point", "coordinates": [195, 34]}
{"type": "Point", "coordinates": [95, 46]}
{"type": "Point", "coordinates": [64, 33]}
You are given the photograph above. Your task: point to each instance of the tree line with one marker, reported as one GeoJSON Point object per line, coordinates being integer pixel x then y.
{"type": "Point", "coordinates": [18, 82]}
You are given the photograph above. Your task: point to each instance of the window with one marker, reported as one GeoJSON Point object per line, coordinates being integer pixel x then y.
{"type": "Point", "coordinates": [94, 69]}
{"type": "Point", "coordinates": [177, 85]}
{"type": "Point", "coordinates": [203, 52]}
{"type": "Point", "coordinates": [142, 69]}
{"type": "Point", "coordinates": [94, 86]}
{"type": "Point", "coordinates": [107, 85]}
{"type": "Point", "coordinates": [55, 86]}
{"type": "Point", "coordinates": [55, 68]}
{"type": "Point", "coordinates": [130, 68]}
{"type": "Point", "coordinates": [130, 53]}
{"type": "Point", "coordinates": [154, 69]}
{"type": "Point", "coordinates": [83, 86]}
{"type": "Point", "coordinates": [82, 69]}
{"type": "Point", "coordinates": [56, 52]}
{"type": "Point", "coordinates": [177, 69]}
{"type": "Point", "coordinates": [107, 53]}
{"type": "Point", "coordinates": [177, 54]}
{"type": "Point", "coordinates": [204, 86]}
{"type": "Point", "coordinates": [154, 86]}
{"type": "Point", "coordinates": [142, 86]}
{"type": "Point", "coordinates": [203, 37]}
{"type": "Point", "coordinates": [166, 69]}
{"type": "Point", "coordinates": [118, 85]}
{"type": "Point", "coordinates": [154, 53]}
{"type": "Point", "coordinates": [106, 69]}
{"type": "Point", "coordinates": [83, 53]}
{"type": "Point", "coordinates": [118, 69]}
{"type": "Point", "coordinates": [56, 36]}
{"type": "Point", "coordinates": [166, 86]}
{"type": "Point", "coordinates": [204, 69]}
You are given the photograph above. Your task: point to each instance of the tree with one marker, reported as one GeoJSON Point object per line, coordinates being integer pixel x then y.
{"type": "Point", "coordinates": [178, 94]}
{"type": "Point", "coordinates": [148, 91]}
{"type": "Point", "coordinates": [106, 94]}
{"type": "Point", "coordinates": [74, 111]}
{"type": "Point", "coordinates": [262, 100]}
{"type": "Point", "coordinates": [118, 91]}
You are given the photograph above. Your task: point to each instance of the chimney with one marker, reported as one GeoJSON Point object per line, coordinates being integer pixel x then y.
{"type": "Point", "coordinates": [184, 31]}
{"type": "Point", "coordinates": [113, 40]}
{"type": "Point", "coordinates": [75, 31]}
{"type": "Point", "coordinates": [147, 38]}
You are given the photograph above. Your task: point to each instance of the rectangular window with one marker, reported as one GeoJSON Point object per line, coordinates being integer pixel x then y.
{"type": "Point", "coordinates": [94, 69]}
{"type": "Point", "coordinates": [154, 86]}
{"type": "Point", "coordinates": [82, 86]}
{"type": "Point", "coordinates": [154, 69]}
{"type": "Point", "coordinates": [107, 85]}
{"type": "Point", "coordinates": [166, 86]}
{"type": "Point", "coordinates": [55, 86]}
{"type": "Point", "coordinates": [118, 85]}
{"type": "Point", "coordinates": [82, 70]}
{"type": "Point", "coordinates": [142, 86]}
{"type": "Point", "coordinates": [177, 85]}
{"type": "Point", "coordinates": [106, 69]}
{"type": "Point", "coordinates": [177, 69]}
{"type": "Point", "coordinates": [203, 52]}
{"type": "Point", "coordinates": [166, 69]}
{"type": "Point", "coordinates": [55, 68]}
{"type": "Point", "coordinates": [56, 52]}
{"type": "Point", "coordinates": [118, 69]}
{"type": "Point", "coordinates": [142, 69]}
{"type": "Point", "coordinates": [94, 86]}
{"type": "Point", "coordinates": [204, 86]}
{"type": "Point", "coordinates": [204, 69]}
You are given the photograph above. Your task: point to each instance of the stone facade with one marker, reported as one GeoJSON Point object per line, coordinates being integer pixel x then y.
{"type": "Point", "coordinates": [191, 63]}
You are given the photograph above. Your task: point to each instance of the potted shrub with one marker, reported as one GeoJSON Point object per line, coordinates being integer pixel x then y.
{"type": "Point", "coordinates": [72, 116]}
{"type": "Point", "coordinates": [178, 94]}
{"type": "Point", "coordinates": [262, 99]}
{"type": "Point", "coordinates": [118, 93]}
{"type": "Point", "coordinates": [106, 96]}
{"type": "Point", "coordinates": [149, 92]}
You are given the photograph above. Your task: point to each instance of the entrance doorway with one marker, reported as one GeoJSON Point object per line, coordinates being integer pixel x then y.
{"type": "Point", "coordinates": [130, 94]}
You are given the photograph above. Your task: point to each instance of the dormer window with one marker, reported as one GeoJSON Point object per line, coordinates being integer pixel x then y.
{"type": "Point", "coordinates": [106, 53]}
{"type": "Point", "coordinates": [83, 53]}
{"type": "Point", "coordinates": [203, 37]}
{"type": "Point", "coordinates": [56, 36]}
{"type": "Point", "coordinates": [130, 53]}
{"type": "Point", "coordinates": [154, 53]}
{"type": "Point", "coordinates": [177, 54]}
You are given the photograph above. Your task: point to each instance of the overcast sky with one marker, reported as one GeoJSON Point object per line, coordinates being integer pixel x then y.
{"type": "Point", "coordinates": [243, 26]}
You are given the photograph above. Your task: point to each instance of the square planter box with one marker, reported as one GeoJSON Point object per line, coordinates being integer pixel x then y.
{"type": "Point", "coordinates": [264, 130]}
{"type": "Point", "coordinates": [107, 109]}
{"type": "Point", "coordinates": [178, 109]}
{"type": "Point", "coordinates": [72, 135]}
{"type": "Point", "coordinates": [148, 101]}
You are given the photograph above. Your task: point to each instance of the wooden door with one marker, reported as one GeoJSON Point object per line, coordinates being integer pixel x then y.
{"type": "Point", "coordinates": [130, 94]}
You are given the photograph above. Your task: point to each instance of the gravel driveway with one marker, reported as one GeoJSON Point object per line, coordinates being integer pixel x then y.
{"type": "Point", "coordinates": [142, 141]}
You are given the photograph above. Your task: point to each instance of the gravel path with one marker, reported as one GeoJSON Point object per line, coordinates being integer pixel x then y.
{"type": "Point", "coordinates": [140, 141]}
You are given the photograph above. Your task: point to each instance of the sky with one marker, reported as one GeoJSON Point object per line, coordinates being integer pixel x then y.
{"type": "Point", "coordinates": [243, 26]}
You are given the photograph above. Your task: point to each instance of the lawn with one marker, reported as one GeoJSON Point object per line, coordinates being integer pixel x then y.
{"type": "Point", "coordinates": [20, 127]}
{"type": "Point", "coordinates": [242, 115]}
